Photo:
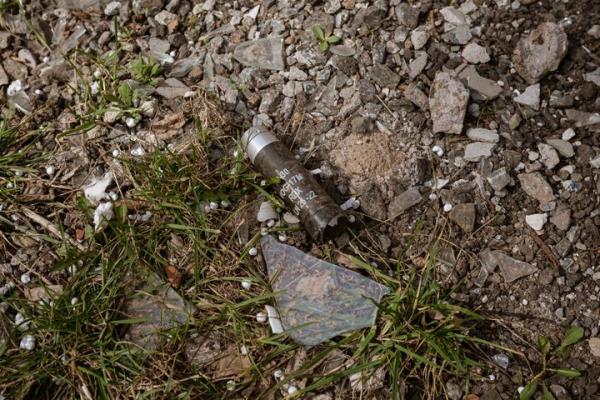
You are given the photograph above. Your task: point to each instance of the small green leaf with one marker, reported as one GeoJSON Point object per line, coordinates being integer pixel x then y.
{"type": "Point", "coordinates": [528, 391]}
{"type": "Point", "coordinates": [333, 39]}
{"type": "Point", "coordinates": [546, 395]}
{"type": "Point", "coordinates": [323, 45]}
{"type": "Point", "coordinates": [121, 212]}
{"type": "Point", "coordinates": [543, 344]}
{"type": "Point", "coordinates": [318, 33]}
{"type": "Point", "coordinates": [573, 335]}
{"type": "Point", "coordinates": [566, 373]}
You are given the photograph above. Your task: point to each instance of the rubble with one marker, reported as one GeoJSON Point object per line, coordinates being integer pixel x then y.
{"type": "Point", "coordinates": [530, 97]}
{"type": "Point", "coordinates": [540, 52]}
{"type": "Point", "coordinates": [475, 54]}
{"type": "Point", "coordinates": [264, 53]}
{"type": "Point", "coordinates": [537, 187]}
{"type": "Point", "coordinates": [448, 104]}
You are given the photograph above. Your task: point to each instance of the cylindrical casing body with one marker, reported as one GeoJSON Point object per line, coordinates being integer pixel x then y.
{"type": "Point", "coordinates": [320, 215]}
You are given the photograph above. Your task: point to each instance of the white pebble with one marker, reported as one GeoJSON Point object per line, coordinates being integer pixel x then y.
{"type": "Point", "coordinates": [45, 59]}
{"type": "Point", "coordinates": [263, 183]}
{"type": "Point", "coordinates": [115, 153]}
{"type": "Point", "coordinates": [292, 389]}
{"type": "Point", "coordinates": [27, 343]}
{"type": "Point", "coordinates": [253, 251]}
{"type": "Point", "coordinates": [261, 317]}
{"type": "Point", "coordinates": [113, 196]}
{"type": "Point", "coordinates": [351, 219]}
{"type": "Point", "coordinates": [282, 237]}
{"type": "Point", "coordinates": [97, 74]}
{"type": "Point", "coordinates": [130, 122]}
{"type": "Point", "coordinates": [438, 150]}
{"type": "Point", "coordinates": [74, 301]}
{"type": "Point", "coordinates": [568, 134]}
{"type": "Point", "coordinates": [138, 151]}
{"type": "Point", "coordinates": [278, 374]}
{"type": "Point", "coordinates": [20, 321]}
{"type": "Point", "coordinates": [213, 205]}
{"type": "Point", "coordinates": [271, 223]}
{"type": "Point", "coordinates": [246, 284]}
{"type": "Point", "coordinates": [172, 53]}
{"type": "Point", "coordinates": [447, 207]}
{"type": "Point", "coordinates": [433, 196]}
{"type": "Point", "coordinates": [231, 385]}
{"type": "Point", "coordinates": [492, 377]}
{"type": "Point", "coordinates": [10, 185]}
{"type": "Point", "coordinates": [50, 170]}
{"type": "Point", "coordinates": [225, 204]}
{"type": "Point", "coordinates": [524, 302]}
{"type": "Point", "coordinates": [25, 279]}
{"type": "Point", "coordinates": [243, 350]}
{"type": "Point", "coordinates": [520, 389]}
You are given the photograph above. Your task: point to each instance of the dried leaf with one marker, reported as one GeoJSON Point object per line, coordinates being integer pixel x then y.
{"type": "Point", "coordinates": [169, 126]}
{"type": "Point", "coordinates": [173, 275]}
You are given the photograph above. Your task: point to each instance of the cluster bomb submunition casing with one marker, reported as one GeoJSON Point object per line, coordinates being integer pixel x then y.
{"type": "Point", "coordinates": [321, 216]}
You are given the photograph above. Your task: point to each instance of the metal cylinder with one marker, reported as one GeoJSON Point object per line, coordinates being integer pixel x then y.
{"type": "Point", "coordinates": [322, 218]}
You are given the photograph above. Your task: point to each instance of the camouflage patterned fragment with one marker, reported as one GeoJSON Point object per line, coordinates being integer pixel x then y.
{"type": "Point", "coordinates": [318, 300]}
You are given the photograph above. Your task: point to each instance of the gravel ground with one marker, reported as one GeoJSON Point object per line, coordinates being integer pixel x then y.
{"type": "Point", "coordinates": [476, 121]}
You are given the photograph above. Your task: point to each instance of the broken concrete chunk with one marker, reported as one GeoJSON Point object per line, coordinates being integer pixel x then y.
{"type": "Point", "coordinates": [499, 179]}
{"type": "Point", "coordinates": [475, 54]}
{"type": "Point", "coordinates": [540, 52]}
{"type": "Point", "coordinates": [403, 202]}
{"type": "Point", "coordinates": [416, 96]}
{"type": "Point", "coordinates": [454, 16]}
{"type": "Point", "coordinates": [384, 76]}
{"type": "Point", "coordinates": [419, 37]}
{"type": "Point", "coordinates": [548, 156]}
{"type": "Point", "coordinates": [161, 307]}
{"type": "Point", "coordinates": [583, 118]}
{"type": "Point", "coordinates": [448, 103]}
{"type": "Point", "coordinates": [407, 15]}
{"type": "Point", "coordinates": [510, 268]}
{"type": "Point", "coordinates": [476, 151]}
{"type": "Point", "coordinates": [530, 97]}
{"type": "Point", "coordinates": [487, 88]}
{"type": "Point", "coordinates": [536, 186]}
{"type": "Point", "coordinates": [266, 212]}
{"type": "Point", "coordinates": [318, 300]}
{"type": "Point", "coordinates": [264, 53]}
{"type": "Point", "coordinates": [536, 221]}
{"type": "Point", "coordinates": [464, 216]}
{"type": "Point", "coordinates": [483, 135]}
{"type": "Point", "coordinates": [459, 35]}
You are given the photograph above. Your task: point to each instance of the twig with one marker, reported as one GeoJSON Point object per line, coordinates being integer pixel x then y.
{"type": "Point", "coordinates": [50, 227]}
{"type": "Point", "coordinates": [547, 251]}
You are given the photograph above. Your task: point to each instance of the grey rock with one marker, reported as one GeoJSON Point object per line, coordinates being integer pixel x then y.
{"type": "Point", "coordinates": [561, 219]}
{"type": "Point", "coordinates": [4, 39]}
{"type": "Point", "coordinates": [536, 186]}
{"type": "Point", "coordinates": [266, 212]}
{"type": "Point", "coordinates": [296, 74]}
{"type": "Point", "coordinates": [594, 31]}
{"type": "Point", "coordinates": [560, 392]}
{"type": "Point", "coordinates": [3, 77]}
{"type": "Point", "coordinates": [476, 151]}
{"type": "Point", "coordinates": [168, 19]}
{"type": "Point", "coordinates": [536, 221]}
{"type": "Point", "coordinates": [483, 135]}
{"type": "Point", "coordinates": [514, 121]}
{"type": "Point", "coordinates": [593, 76]}
{"type": "Point", "coordinates": [560, 100]}
{"type": "Point", "coordinates": [112, 8]}
{"type": "Point", "coordinates": [582, 118]}
{"type": "Point", "coordinates": [417, 65]}
{"type": "Point", "coordinates": [487, 88]}
{"type": "Point", "coordinates": [464, 216]}
{"type": "Point", "coordinates": [403, 202]}
{"type": "Point", "coordinates": [407, 15]}
{"type": "Point", "coordinates": [499, 179]}
{"type": "Point", "coordinates": [226, 29]}
{"type": "Point", "coordinates": [264, 53]}
{"type": "Point", "coordinates": [510, 268]}
{"type": "Point", "coordinates": [453, 16]}
{"type": "Point", "coordinates": [172, 88]}
{"type": "Point", "coordinates": [384, 76]}
{"type": "Point", "coordinates": [562, 146]}
{"type": "Point", "coordinates": [419, 37]}
{"type": "Point", "coordinates": [530, 97]}
{"type": "Point", "coordinates": [416, 96]}
{"type": "Point", "coordinates": [202, 350]}
{"type": "Point", "coordinates": [161, 307]}
{"type": "Point", "coordinates": [454, 391]}
{"type": "Point", "coordinates": [367, 19]}
{"type": "Point", "coordinates": [15, 69]}
{"type": "Point", "coordinates": [540, 52]}
{"type": "Point", "coordinates": [548, 156]}
{"type": "Point", "coordinates": [501, 360]}
{"type": "Point", "coordinates": [594, 344]}
{"type": "Point", "coordinates": [182, 67]}
{"type": "Point", "coordinates": [448, 103]}
{"type": "Point", "coordinates": [475, 54]}
{"type": "Point", "coordinates": [342, 50]}
{"type": "Point", "coordinates": [157, 45]}
{"type": "Point", "coordinates": [459, 35]}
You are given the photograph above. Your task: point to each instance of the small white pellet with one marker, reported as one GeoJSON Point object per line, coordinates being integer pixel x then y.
{"type": "Point", "coordinates": [115, 153]}
{"type": "Point", "coordinates": [278, 374]}
{"type": "Point", "coordinates": [246, 284]}
{"type": "Point", "coordinates": [50, 170]}
{"type": "Point", "coordinates": [213, 205]}
{"type": "Point", "coordinates": [292, 389]}
{"type": "Point", "coordinates": [261, 317]}
{"type": "Point", "coordinates": [447, 207]}
{"type": "Point", "coordinates": [25, 279]}
{"type": "Point", "coordinates": [253, 251]}
{"type": "Point", "coordinates": [27, 343]}
{"type": "Point", "coordinates": [282, 237]}
{"type": "Point", "coordinates": [130, 122]}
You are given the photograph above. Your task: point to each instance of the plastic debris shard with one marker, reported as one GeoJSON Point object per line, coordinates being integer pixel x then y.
{"type": "Point", "coordinates": [318, 300]}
